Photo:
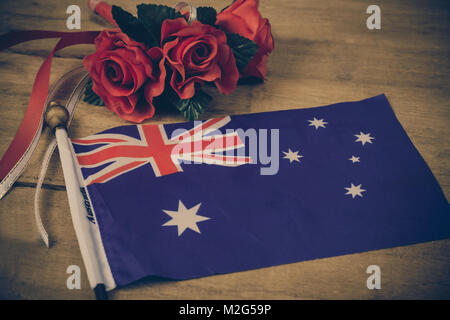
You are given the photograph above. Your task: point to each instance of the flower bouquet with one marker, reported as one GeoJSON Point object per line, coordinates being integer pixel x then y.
{"type": "Point", "coordinates": [164, 57]}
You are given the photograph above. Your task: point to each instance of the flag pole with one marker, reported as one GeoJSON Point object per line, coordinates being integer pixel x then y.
{"type": "Point", "coordinates": [57, 118]}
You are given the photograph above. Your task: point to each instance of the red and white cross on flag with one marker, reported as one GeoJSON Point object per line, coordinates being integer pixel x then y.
{"type": "Point", "coordinates": [125, 153]}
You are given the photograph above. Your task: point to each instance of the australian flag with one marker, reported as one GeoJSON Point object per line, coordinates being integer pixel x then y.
{"type": "Point", "coordinates": [249, 191]}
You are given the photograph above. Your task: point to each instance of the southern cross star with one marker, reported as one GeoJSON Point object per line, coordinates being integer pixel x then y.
{"type": "Point", "coordinates": [185, 218]}
{"type": "Point", "coordinates": [363, 138]}
{"type": "Point", "coordinates": [317, 123]}
{"type": "Point", "coordinates": [354, 159]}
{"type": "Point", "coordinates": [355, 190]}
{"type": "Point", "coordinates": [292, 156]}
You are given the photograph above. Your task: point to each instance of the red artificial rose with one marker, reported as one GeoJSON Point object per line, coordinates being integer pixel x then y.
{"type": "Point", "coordinates": [243, 17]}
{"type": "Point", "coordinates": [126, 75]}
{"type": "Point", "coordinates": [197, 53]}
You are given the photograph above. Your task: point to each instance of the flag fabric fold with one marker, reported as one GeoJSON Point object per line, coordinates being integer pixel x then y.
{"type": "Point", "coordinates": [248, 191]}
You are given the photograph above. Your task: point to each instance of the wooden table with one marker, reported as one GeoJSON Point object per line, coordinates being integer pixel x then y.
{"type": "Point", "coordinates": [324, 54]}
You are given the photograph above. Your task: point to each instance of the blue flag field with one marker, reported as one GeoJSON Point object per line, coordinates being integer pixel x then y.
{"type": "Point", "coordinates": [248, 191]}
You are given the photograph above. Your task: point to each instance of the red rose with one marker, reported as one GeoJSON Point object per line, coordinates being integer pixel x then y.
{"type": "Point", "coordinates": [243, 17]}
{"type": "Point", "coordinates": [197, 53]}
{"type": "Point", "coordinates": [126, 75]}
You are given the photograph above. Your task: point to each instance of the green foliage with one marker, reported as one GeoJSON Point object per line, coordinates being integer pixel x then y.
{"type": "Point", "coordinates": [133, 27]}
{"type": "Point", "coordinates": [192, 108]}
{"type": "Point", "coordinates": [243, 49]}
{"type": "Point", "coordinates": [91, 97]}
{"type": "Point", "coordinates": [152, 17]}
{"type": "Point", "coordinates": [207, 15]}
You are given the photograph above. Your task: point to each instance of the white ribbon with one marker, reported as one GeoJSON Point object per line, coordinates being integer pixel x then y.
{"type": "Point", "coordinates": [81, 77]}
{"type": "Point", "coordinates": [37, 214]}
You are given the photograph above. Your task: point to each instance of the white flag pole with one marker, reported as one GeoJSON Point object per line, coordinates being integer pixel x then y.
{"type": "Point", "coordinates": [57, 117]}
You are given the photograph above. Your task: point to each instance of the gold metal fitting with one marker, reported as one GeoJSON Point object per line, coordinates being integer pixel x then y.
{"type": "Point", "coordinates": [56, 116]}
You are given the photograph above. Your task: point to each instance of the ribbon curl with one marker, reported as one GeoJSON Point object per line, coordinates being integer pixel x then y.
{"type": "Point", "coordinates": [22, 146]}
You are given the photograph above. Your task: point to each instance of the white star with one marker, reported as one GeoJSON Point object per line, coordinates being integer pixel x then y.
{"type": "Point", "coordinates": [317, 123]}
{"type": "Point", "coordinates": [354, 159]}
{"type": "Point", "coordinates": [355, 190]}
{"type": "Point", "coordinates": [363, 138]}
{"type": "Point", "coordinates": [292, 156]}
{"type": "Point", "coordinates": [185, 218]}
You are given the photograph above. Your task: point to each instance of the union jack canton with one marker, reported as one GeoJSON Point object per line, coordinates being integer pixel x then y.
{"type": "Point", "coordinates": [117, 154]}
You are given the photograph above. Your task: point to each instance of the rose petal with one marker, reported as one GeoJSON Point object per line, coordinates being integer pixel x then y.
{"type": "Point", "coordinates": [234, 24]}
{"type": "Point", "coordinates": [264, 38]}
{"type": "Point", "coordinates": [155, 88]}
{"type": "Point", "coordinates": [257, 67]}
{"type": "Point", "coordinates": [206, 40]}
{"type": "Point", "coordinates": [227, 82]}
{"type": "Point", "coordinates": [171, 26]}
{"type": "Point", "coordinates": [143, 110]}
{"type": "Point", "coordinates": [249, 10]}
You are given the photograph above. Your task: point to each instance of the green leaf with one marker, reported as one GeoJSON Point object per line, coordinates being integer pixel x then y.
{"type": "Point", "coordinates": [132, 27]}
{"type": "Point", "coordinates": [207, 15]}
{"type": "Point", "coordinates": [152, 16]}
{"type": "Point", "coordinates": [243, 49]}
{"type": "Point", "coordinates": [90, 96]}
{"type": "Point", "coordinates": [192, 108]}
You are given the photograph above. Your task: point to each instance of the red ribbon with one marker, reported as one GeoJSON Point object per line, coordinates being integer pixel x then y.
{"type": "Point", "coordinates": [31, 121]}
{"type": "Point", "coordinates": [104, 10]}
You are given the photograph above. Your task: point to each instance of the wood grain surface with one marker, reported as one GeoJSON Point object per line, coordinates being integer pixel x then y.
{"type": "Point", "coordinates": [323, 54]}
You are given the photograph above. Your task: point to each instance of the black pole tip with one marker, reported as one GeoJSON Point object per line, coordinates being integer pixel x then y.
{"type": "Point", "coordinates": [100, 292]}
